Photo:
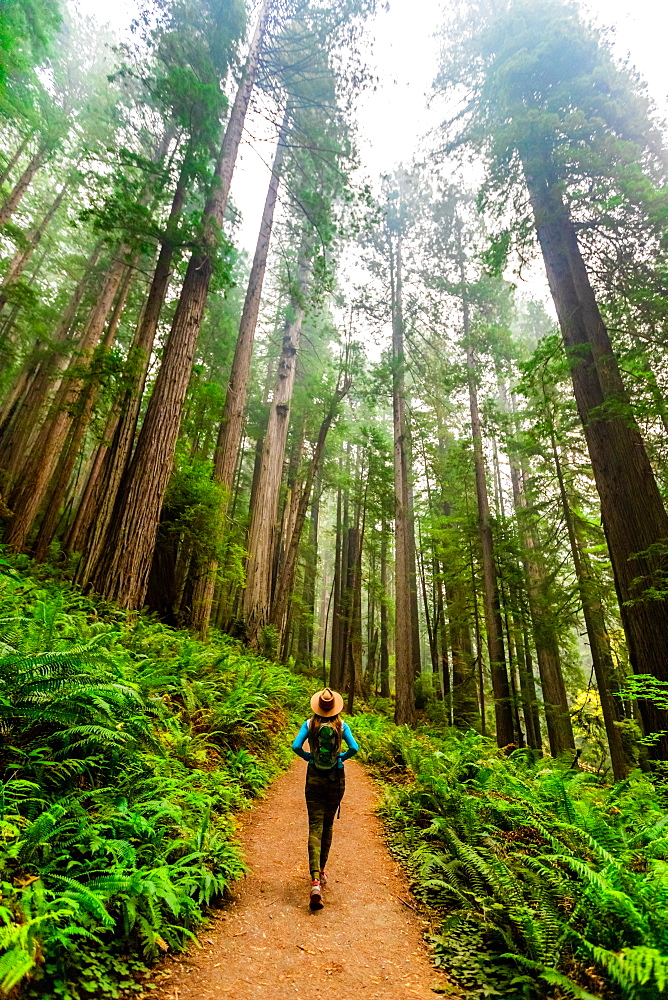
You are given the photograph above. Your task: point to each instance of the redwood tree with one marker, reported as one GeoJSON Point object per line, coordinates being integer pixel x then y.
{"type": "Point", "coordinates": [554, 114]}
{"type": "Point", "coordinates": [121, 572]}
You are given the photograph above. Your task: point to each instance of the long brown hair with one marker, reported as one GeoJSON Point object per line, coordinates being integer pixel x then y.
{"type": "Point", "coordinates": [314, 728]}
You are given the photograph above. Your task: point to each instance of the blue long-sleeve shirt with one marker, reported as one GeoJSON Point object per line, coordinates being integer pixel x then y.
{"type": "Point", "coordinates": [302, 736]}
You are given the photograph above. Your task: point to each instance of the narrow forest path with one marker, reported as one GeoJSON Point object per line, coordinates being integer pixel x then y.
{"type": "Point", "coordinates": [365, 943]}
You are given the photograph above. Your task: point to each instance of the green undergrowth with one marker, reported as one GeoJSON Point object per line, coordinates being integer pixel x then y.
{"type": "Point", "coordinates": [126, 747]}
{"type": "Point", "coordinates": [544, 882]}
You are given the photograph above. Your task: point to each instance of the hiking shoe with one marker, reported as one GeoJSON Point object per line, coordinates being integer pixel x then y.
{"type": "Point", "coordinates": [323, 877]}
{"type": "Point", "coordinates": [315, 901]}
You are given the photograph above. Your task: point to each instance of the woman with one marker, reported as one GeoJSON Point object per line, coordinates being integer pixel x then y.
{"type": "Point", "coordinates": [325, 780]}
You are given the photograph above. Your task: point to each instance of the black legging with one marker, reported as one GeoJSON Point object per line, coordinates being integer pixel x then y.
{"type": "Point", "coordinates": [324, 791]}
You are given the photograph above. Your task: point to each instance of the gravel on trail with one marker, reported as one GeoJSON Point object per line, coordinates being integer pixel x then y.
{"type": "Point", "coordinates": [365, 944]}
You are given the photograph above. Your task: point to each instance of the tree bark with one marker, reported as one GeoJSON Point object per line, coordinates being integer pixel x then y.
{"type": "Point", "coordinates": [14, 159]}
{"type": "Point", "coordinates": [465, 706]}
{"type": "Point", "coordinates": [442, 641]}
{"type": "Point", "coordinates": [634, 518]}
{"type": "Point", "coordinates": [20, 387]}
{"type": "Point", "coordinates": [28, 495]}
{"type": "Point", "coordinates": [555, 700]}
{"type": "Point", "coordinates": [592, 611]}
{"type": "Point", "coordinates": [335, 670]}
{"type": "Point", "coordinates": [88, 506]}
{"type": "Point", "coordinates": [432, 628]}
{"type": "Point", "coordinates": [285, 580]}
{"type": "Point", "coordinates": [527, 682]}
{"type": "Point", "coordinates": [307, 625]}
{"type": "Point", "coordinates": [353, 680]}
{"type": "Point", "coordinates": [121, 571]}
{"type": "Point", "coordinates": [231, 425]}
{"type": "Point", "coordinates": [546, 640]}
{"type": "Point", "coordinates": [257, 596]}
{"type": "Point", "coordinates": [13, 199]}
{"type": "Point", "coordinates": [343, 610]}
{"type": "Point", "coordinates": [16, 436]}
{"type": "Point", "coordinates": [497, 660]}
{"type": "Point", "coordinates": [404, 713]}
{"type": "Point", "coordinates": [411, 557]}
{"type": "Point", "coordinates": [91, 533]}
{"type": "Point", "coordinates": [23, 255]}
{"type": "Point", "coordinates": [384, 634]}
{"type": "Point", "coordinates": [288, 501]}
{"type": "Point", "coordinates": [87, 398]}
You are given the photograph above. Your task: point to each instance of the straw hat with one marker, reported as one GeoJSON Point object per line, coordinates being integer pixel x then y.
{"type": "Point", "coordinates": [326, 703]}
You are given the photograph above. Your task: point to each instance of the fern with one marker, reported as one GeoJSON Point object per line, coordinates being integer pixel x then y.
{"type": "Point", "coordinates": [561, 871]}
{"type": "Point", "coordinates": [109, 836]}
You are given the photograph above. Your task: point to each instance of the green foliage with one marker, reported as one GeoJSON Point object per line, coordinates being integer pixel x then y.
{"type": "Point", "coordinates": [25, 29]}
{"type": "Point", "coordinates": [548, 882]}
{"type": "Point", "coordinates": [126, 747]}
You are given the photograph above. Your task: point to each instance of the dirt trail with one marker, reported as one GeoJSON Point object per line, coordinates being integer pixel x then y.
{"type": "Point", "coordinates": [365, 942]}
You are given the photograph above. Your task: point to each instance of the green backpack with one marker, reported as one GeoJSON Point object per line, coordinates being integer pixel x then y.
{"type": "Point", "coordinates": [326, 753]}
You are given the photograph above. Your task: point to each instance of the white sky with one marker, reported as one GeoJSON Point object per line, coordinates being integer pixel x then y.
{"type": "Point", "coordinates": [403, 55]}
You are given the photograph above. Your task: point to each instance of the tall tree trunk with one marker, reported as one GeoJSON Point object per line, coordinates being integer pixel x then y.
{"type": "Point", "coordinates": [257, 596]}
{"type": "Point", "coordinates": [497, 660]}
{"type": "Point", "coordinates": [23, 255]}
{"type": "Point", "coordinates": [288, 504]}
{"type": "Point", "coordinates": [592, 611]}
{"type": "Point", "coordinates": [14, 159]}
{"type": "Point", "coordinates": [353, 681]}
{"type": "Point", "coordinates": [88, 505]}
{"type": "Point", "coordinates": [71, 450]}
{"type": "Point", "coordinates": [307, 625]}
{"type": "Point", "coordinates": [20, 387]}
{"type": "Point", "coordinates": [344, 612]}
{"type": "Point", "coordinates": [335, 670]}
{"type": "Point", "coordinates": [442, 641]}
{"type": "Point", "coordinates": [411, 557]}
{"type": "Point", "coordinates": [259, 444]}
{"type": "Point", "coordinates": [479, 659]}
{"type": "Point", "coordinates": [349, 662]}
{"type": "Point", "coordinates": [464, 694]}
{"type": "Point", "coordinates": [384, 634]}
{"type": "Point", "coordinates": [16, 436]}
{"type": "Point", "coordinates": [546, 639]}
{"type": "Point", "coordinates": [527, 682]}
{"type": "Point", "coordinates": [465, 700]}
{"type": "Point", "coordinates": [285, 580]}
{"type": "Point", "coordinates": [121, 571]}
{"type": "Point", "coordinates": [634, 518]}
{"type": "Point", "coordinates": [403, 641]}
{"type": "Point", "coordinates": [231, 425]}
{"type": "Point", "coordinates": [13, 199]}
{"type": "Point", "coordinates": [432, 628]}
{"type": "Point", "coordinates": [555, 700]}
{"type": "Point", "coordinates": [28, 495]}
{"type": "Point", "coordinates": [370, 670]}
{"type": "Point", "coordinates": [512, 671]}
{"type": "Point", "coordinates": [91, 533]}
